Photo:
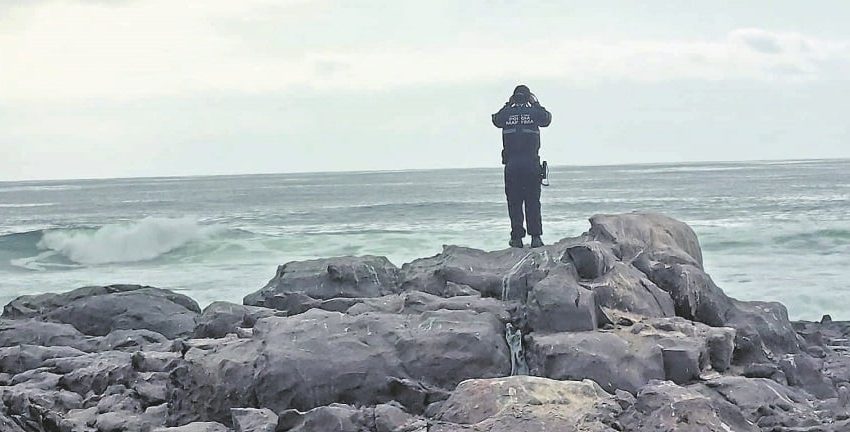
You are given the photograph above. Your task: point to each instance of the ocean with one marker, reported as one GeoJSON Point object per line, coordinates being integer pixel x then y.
{"type": "Point", "coordinates": [769, 230]}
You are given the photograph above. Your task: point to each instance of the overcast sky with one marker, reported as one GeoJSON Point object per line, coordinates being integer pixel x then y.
{"type": "Point", "coordinates": [114, 88]}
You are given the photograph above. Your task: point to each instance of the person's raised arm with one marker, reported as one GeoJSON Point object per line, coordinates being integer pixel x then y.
{"type": "Point", "coordinates": [501, 117]}
{"type": "Point", "coordinates": [539, 114]}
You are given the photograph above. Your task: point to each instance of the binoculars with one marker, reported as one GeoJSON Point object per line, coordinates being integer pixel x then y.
{"type": "Point", "coordinates": [523, 99]}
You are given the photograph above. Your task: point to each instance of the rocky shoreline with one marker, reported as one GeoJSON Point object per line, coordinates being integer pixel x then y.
{"type": "Point", "coordinates": [619, 329]}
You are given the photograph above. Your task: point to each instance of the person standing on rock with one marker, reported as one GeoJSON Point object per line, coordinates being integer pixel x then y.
{"type": "Point", "coordinates": [520, 120]}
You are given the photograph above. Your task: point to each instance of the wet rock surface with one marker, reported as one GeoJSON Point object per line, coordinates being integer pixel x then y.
{"type": "Point", "coordinates": [619, 329]}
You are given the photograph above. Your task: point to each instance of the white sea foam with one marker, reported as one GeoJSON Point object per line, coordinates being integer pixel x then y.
{"type": "Point", "coordinates": [142, 240]}
{"type": "Point", "coordinates": [26, 205]}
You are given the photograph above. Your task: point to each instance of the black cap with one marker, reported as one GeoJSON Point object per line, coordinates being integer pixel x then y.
{"type": "Point", "coordinates": [522, 89]}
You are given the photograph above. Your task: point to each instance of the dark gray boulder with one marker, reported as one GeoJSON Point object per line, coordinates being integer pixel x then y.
{"type": "Point", "coordinates": [155, 361]}
{"type": "Point", "coordinates": [31, 306]}
{"type": "Point", "coordinates": [337, 417]}
{"type": "Point", "coordinates": [8, 424]}
{"type": "Point", "coordinates": [32, 332]}
{"type": "Point", "coordinates": [319, 357]}
{"type": "Point", "coordinates": [694, 294]}
{"type": "Point", "coordinates": [417, 302]}
{"type": "Point", "coordinates": [254, 420]}
{"type": "Point", "coordinates": [357, 359]}
{"type": "Point", "coordinates": [660, 237]}
{"type": "Point", "coordinates": [627, 358]}
{"type": "Point", "coordinates": [508, 274]}
{"type": "Point", "coordinates": [805, 371]}
{"type": "Point", "coordinates": [196, 427]}
{"type": "Point", "coordinates": [367, 276]}
{"type": "Point", "coordinates": [99, 310]}
{"type": "Point", "coordinates": [22, 358]}
{"type": "Point", "coordinates": [664, 406]}
{"type": "Point", "coordinates": [347, 418]}
{"type": "Point", "coordinates": [764, 331]}
{"type": "Point", "coordinates": [220, 318]}
{"type": "Point", "coordinates": [559, 304]}
{"type": "Point", "coordinates": [215, 376]}
{"type": "Point", "coordinates": [94, 372]}
{"type": "Point", "coordinates": [133, 340]}
{"type": "Point", "coordinates": [625, 288]}
{"type": "Point", "coordinates": [613, 361]}
{"type": "Point", "coordinates": [35, 403]}
{"type": "Point", "coordinates": [403, 303]}
{"type": "Point", "coordinates": [762, 402]}
{"type": "Point", "coordinates": [667, 252]}
{"type": "Point", "coordinates": [529, 404]}
{"type": "Point", "coordinates": [592, 259]}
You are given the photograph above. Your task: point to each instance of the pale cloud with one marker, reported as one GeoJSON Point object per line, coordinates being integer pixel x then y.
{"type": "Point", "coordinates": [90, 50]}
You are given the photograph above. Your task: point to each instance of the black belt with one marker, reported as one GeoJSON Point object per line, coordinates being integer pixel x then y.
{"type": "Point", "coordinates": [522, 130]}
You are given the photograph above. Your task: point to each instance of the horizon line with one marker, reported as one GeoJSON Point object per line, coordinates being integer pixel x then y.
{"type": "Point", "coordinates": [367, 171]}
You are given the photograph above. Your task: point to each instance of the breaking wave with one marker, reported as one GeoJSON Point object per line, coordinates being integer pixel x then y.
{"type": "Point", "coordinates": [141, 240]}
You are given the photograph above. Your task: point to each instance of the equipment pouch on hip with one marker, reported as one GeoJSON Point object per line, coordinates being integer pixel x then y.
{"type": "Point", "coordinates": [544, 173]}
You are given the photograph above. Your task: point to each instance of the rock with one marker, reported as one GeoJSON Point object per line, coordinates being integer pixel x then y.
{"type": "Point", "coordinates": [93, 372]}
{"type": "Point", "coordinates": [217, 375]}
{"type": "Point", "coordinates": [99, 310]}
{"type": "Point", "coordinates": [152, 387]}
{"type": "Point", "coordinates": [626, 289]}
{"type": "Point", "coordinates": [22, 358]}
{"type": "Point", "coordinates": [664, 406]}
{"type": "Point", "coordinates": [667, 251]}
{"type": "Point", "coordinates": [7, 424]}
{"type": "Point", "coordinates": [661, 238]}
{"type": "Point", "coordinates": [354, 358]}
{"type": "Point", "coordinates": [196, 427]}
{"type": "Point", "coordinates": [42, 378]}
{"type": "Point", "coordinates": [681, 364]}
{"type": "Point", "coordinates": [715, 345]}
{"type": "Point", "coordinates": [761, 401]}
{"type": "Point", "coordinates": [529, 404]}
{"type": "Point", "coordinates": [79, 420]}
{"type": "Point", "coordinates": [155, 361]}
{"type": "Point", "coordinates": [37, 409]}
{"type": "Point", "coordinates": [253, 420]}
{"type": "Point", "coordinates": [613, 361]}
{"type": "Point", "coordinates": [334, 417]}
{"type": "Point", "coordinates": [393, 418]}
{"type": "Point", "coordinates": [803, 370]}
{"type": "Point", "coordinates": [628, 358]}
{"type": "Point", "coordinates": [506, 274]}
{"type": "Point", "coordinates": [221, 318]}
{"type": "Point", "coordinates": [367, 276]}
{"type": "Point", "coordinates": [764, 370]}
{"type": "Point", "coordinates": [31, 306]}
{"type": "Point", "coordinates": [32, 332]}
{"type": "Point", "coordinates": [133, 340]}
{"type": "Point", "coordinates": [694, 294]}
{"type": "Point", "coordinates": [559, 304]}
{"type": "Point", "coordinates": [417, 302]}
{"type": "Point", "coordinates": [346, 418]}
{"type": "Point", "coordinates": [763, 331]}
{"type": "Point", "coordinates": [592, 259]}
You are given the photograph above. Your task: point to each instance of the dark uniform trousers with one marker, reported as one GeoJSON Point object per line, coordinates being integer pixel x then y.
{"type": "Point", "coordinates": [522, 187]}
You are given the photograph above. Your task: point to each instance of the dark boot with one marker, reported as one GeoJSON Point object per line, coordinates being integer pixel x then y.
{"type": "Point", "coordinates": [516, 243]}
{"type": "Point", "coordinates": [536, 241]}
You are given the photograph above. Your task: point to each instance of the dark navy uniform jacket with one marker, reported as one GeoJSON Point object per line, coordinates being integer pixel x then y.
{"type": "Point", "coordinates": [520, 126]}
